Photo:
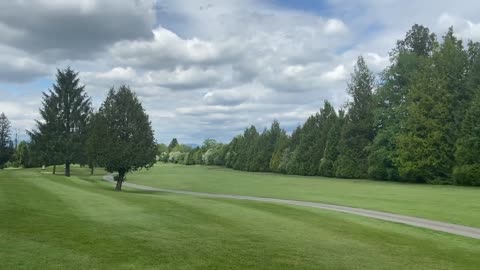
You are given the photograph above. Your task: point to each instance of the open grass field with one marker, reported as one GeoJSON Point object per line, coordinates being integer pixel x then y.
{"type": "Point", "coordinates": [454, 204]}
{"type": "Point", "coordinates": [51, 222]}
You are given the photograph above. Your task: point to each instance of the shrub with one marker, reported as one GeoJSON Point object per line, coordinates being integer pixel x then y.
{"type": "Point", "coordinates": [467, 175]}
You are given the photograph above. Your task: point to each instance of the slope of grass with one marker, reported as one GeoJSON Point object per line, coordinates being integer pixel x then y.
{"type": "Point", "coordinates": [51, 222]}
{"type": "Point", "coordinates": [453, 204]}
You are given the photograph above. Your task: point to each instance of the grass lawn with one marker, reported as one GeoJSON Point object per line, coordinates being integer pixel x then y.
{"type": "Point", "coordinates": [51, 222]}
{"type": "Point", "coordinates": [453, 204]}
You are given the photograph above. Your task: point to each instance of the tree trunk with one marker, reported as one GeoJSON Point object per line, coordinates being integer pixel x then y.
{"type": "Point", "coordinates": [54, 168]}
{"type": "Point", "coordinates": [121, 176]}
{"type": "Point", "coordinates": [91, 165]}
{"type": "Point", "coordinates": [67, 168]}
{"type": "Point", "coordinates": [118, 187]}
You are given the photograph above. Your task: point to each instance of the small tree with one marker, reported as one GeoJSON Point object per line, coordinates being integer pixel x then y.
{"type": "Point", "coordinates": [6, 145]}
{"type": "Point", "coordinates": [22, 155]}
{"type": "Point", "coordinates": [128, 143]}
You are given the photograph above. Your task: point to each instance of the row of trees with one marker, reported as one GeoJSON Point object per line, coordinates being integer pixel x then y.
{"type": "Point", "coordinates": [13, 153]}
{"type": "Point", "coordinates": [210, 153]}
{"type": "Point", "coordinates": [118, 137]}
{"type": "Point", "coordinates": [418, 121]}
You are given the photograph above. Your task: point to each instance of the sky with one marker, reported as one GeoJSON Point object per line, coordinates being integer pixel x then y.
{"type": "Point", "coordinates": [208, 68]}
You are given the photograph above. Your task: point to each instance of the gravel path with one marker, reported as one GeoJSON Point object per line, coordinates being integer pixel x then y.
{"type": "Point", "coordinates": [413, 221]}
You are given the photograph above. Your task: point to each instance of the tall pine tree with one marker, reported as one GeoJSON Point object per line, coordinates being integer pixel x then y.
{"type": "Point", "coordinates": [330, 154]}
{"type": "Point", "coordinates": [65, 113]}
{"type": "Point", "coordinates": [451, 64]}
{"type": "Point", "coordinates": [357, 132]}
{"type": "Point", "coordinates": [45, 142]}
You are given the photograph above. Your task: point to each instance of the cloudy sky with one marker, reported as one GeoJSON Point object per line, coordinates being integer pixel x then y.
{"type": "Point", "coordinates": [208, 68]}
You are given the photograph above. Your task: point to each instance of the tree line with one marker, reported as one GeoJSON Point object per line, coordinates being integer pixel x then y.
{"type": "Point", "coordinates": [417, 121]}
{"type": "Point", "coordinates": [117, 137]}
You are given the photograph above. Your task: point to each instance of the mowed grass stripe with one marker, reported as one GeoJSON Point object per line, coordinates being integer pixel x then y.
{"type": "Point", "coordinates": [79, 223]}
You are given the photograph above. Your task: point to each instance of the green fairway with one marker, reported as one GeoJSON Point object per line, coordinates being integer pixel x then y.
{"type": "Point", "coordinates": [453, 204]}
{"type": "Point", "coordinates": [53, 222]}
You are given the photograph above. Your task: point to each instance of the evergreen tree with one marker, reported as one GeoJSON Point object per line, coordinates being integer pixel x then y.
{"type": "Point", "coordinates": [173, 144]}
{"type": "Point", "coordinates": [327, 163]}
{"type": "Point", "coordinates": [96, 131]}
{"type": "Point", "coordinates": [451, 64]}
{"type": "Point", "coordinates": [266, 145]}
{"type": "Point", "coordinates": [382, 155]}
{"type": "Point", "coordinates": [246, 149]}
{"type": "Point", "coordinates": [128, 144]}
{"type": "Point", "coordinates": [473, 74]}
{"type": "Point", "coordinates": [390, 98]}
{"type": "Point", "coordinates": [357, 132]}
{"type": "Point", "coordinates": [22, 155]}
{"type": "Point", "coordinates": [44, 139]}
{"type": "Point", "coordinates": [261, 157]}
{"type": "Point", "coordinates": [425, 151]}
{"type": "Point", "coordinates": [280, 146]}
{"type": "Point", "coordinates": [65, 112]}
{"type": "Point", "coordinates": [307, 151]}
{"type": "Point", "coordinates": [311, 147]}
{"type": "Point", "coordinates": [232, 152]}
{"type": "Point", "coordinates": [467, 155]}
{"type": "Point", "coordinates": [289, 164]}
{"type": "Point", "coordinates": [6, 144]}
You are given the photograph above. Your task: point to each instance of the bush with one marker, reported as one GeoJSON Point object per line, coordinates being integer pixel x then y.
{"type": "Point", "coordinates": [467, 175]}
{"type": "Point", "coordinates": [163, 157]}
{"type": "Point", "coordinates": [176, 157]}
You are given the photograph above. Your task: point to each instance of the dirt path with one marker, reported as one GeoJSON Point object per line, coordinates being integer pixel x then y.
{"type": "Point", "coordinates": [413, 221]}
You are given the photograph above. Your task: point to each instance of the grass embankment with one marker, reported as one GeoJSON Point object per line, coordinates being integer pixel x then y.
{"type": "Point", "coordinates": [460, 205]}
{"type": "Point", "coordinates": [51, 222]}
